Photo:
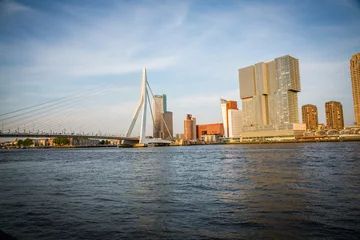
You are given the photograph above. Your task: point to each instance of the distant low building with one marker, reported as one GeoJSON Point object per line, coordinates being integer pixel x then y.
{"type": "Point", "coordinates": [84, 142]}
{"type": "Point", "coordinates": [179, 136]}
{"type": "Point", "coordinates": [210, 129]}
{"type": "Point", "coordinates": [283, 132]}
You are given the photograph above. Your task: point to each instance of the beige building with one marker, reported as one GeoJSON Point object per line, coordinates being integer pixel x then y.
{"type": "Point", "coordinates": [190, 128]}
{"type": "Point", "coordinates": [268, 91]}
{"type": "Point", "coordinates": [166, 126]}
{"type": "Point", "coordinates": [158, 108]}
{"type": "Point", "coordinates": [334, 115]}
{"type": "Point", "coordinates": [235, 118]}
{"type": "Point", "coordinates": [163, 120]}
{"type": "Point", "coordinates": [310, 116]}
{"type": "Point", "coordinates": [355, 82]}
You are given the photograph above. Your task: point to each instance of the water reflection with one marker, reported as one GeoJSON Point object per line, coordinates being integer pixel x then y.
{"type": "Point", "coordinates": [275, 191]}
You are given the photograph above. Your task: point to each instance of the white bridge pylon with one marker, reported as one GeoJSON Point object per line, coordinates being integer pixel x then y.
{"type": "Point", "coordinates": [143, 103]}
{"type": "Point", "coordinates": [144, 98]}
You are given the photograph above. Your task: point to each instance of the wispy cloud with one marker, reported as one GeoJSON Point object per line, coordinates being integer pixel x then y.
{"type": "Point", "coordinates": [10, 7]}
{"type": "Point", "coordinates": [192, 50]}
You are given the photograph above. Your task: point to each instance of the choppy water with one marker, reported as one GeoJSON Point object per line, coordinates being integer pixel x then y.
{"type": "Point", "coordinates": [269, 191]}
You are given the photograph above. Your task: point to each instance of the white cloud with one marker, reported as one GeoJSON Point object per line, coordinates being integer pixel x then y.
{"type": "Point", "coordinates": [10, 7]}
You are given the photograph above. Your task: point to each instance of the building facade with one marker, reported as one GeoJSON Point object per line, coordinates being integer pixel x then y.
{"type": "Point", "coordinates": [190, 128]}
{"type": "Point", "coordinates": [268, 91]}
{"type": "Point", "coordinates": [166, 126]}
{"type": "Point", "coordinates": [355, 83]}
{"type": "Point", "coordinates": [210, 129]}
{"type": "Point", "coordinates": [225, 107]}
{"type": "Point", "coordinates": [310, 116]}
{"type": "Point", "coordinates": [163, 120]}
{"type": "Point", "coordinates": [158, 108]}
{"type": "Point", "coordinates": [235, 123]}
{"type": "Point", "coordinates": [334, 115]}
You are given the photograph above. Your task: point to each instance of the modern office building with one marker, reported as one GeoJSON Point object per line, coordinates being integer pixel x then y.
{"type": "Point", "coordinates": [158, 108]}
{"type": "Point", "coordinates": [334, 115]}
{"type": "Point", "coordinates": [166, 126]}
{"type": "Point", "coordinates": [268, 91]}
{"type": "Point", "coordinates": [163, 120]}
{"type": "Point", "coordinates": [190, 128]}
{"type": "Point", "coordinates": [225, 107]}
{"type": "Point", "coordinates": [235, 118]}
{"type": "Point", "coordinates": [210, 129]}
{"type": "Point", "coordinates": [355, 83]}
{"type": "Point", "coordinates": [310, 116]}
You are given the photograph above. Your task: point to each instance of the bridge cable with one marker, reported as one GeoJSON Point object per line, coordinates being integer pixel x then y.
{"type": "Point", "coordinates": [40, 104]}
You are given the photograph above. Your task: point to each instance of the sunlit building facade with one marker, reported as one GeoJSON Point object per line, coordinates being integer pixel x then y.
{"type": "Point", "coordinates": [310, 116]}
{"type": "Point", "coordinates": [166, 126]}
{"type": "Point", "coordinates": [163, 120]}
{"type": "Point", "coordinates": [158, 108]}
{"type": "Point", "coordinates": [355, 83]}
{"type": "Point", "coordinates": [235, 117]}
{"type": "Point", "coordinates": [225, 107]}
{"type": "Point", "coordinates": [334, 115]}
{"type": "Point", "coordinates": [268, 91]}
{"type": "Point", "coordinates": [190, 128]}
{"type": "Point", "coordinates": [210, 129]}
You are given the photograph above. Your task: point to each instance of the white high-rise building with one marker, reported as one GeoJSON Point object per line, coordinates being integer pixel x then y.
{"type": "Point", "coordinates": [235, 123]}
{"type": "Point", "coordinates": [225, 107]}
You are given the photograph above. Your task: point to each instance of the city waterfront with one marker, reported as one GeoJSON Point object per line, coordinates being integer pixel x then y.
{"type": "Point", "coordinates": [264, 191]}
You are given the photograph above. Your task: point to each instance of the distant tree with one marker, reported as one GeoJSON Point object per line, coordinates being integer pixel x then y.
{"type": "Point", "coordinates": [61, 141]}
{"type": "Point", "coordinates": [102, 142]}
{"type": "Point", "coordinates": [20, 142]}
{"type": "Point", "coordinates": [28, 142]}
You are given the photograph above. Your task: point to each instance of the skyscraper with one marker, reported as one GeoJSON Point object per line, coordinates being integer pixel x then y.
{"type": "Point", "coordinates": [334, 115]}
{"type": "Point", "coordinates": [355, 82]}
{"type": "Point", "coordinates": [269, 92]}
{"type": "Point", "coordinates": [310, 116]}
{"type": "Point", "coordinates": [158, 110]}
{"type": "Point", "coordinates": [190, 128]}
{"type": "Point", "coordinates": [166, 126]}
{"type": "Point", "coordinates": [163, 120]}
{"type": "Point", "coordinates": [225, 107]}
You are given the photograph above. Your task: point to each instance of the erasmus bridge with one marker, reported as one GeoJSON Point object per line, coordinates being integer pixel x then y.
{"type": "Point", "coordinates": [13, 123]}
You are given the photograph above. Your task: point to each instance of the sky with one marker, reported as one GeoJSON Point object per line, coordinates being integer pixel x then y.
{"type": "Point", "coordinates": [192, 51]}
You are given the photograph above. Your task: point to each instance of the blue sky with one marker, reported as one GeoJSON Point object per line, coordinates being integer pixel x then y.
{"type": "Point", "coordinates": [191, 49]}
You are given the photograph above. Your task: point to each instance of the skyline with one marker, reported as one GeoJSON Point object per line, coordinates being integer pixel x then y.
{"type": "Point", "coordinates": [84, 45]}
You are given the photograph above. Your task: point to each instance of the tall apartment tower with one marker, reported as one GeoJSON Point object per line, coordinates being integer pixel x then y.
{"type": "Point", "coordinates": [355, 82]}
{"type": "Point", "coordinates": [190, 128]}
{"type": "Point", "coordinates": [166, 126]}
{"type": "Point", "coordinates": [310, 116]}
{"type": "Point", "coordinates": [334, 115]}
{"type": "Point", "coordinates": [163, 120]}
{"type": "Point", "coordinates": [268, 91]}
{"type": "Point", "coordinates": [225, 107]}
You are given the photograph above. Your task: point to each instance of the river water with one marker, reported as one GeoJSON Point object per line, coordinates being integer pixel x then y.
{"type": "Point", "coordinates": [266, 191]}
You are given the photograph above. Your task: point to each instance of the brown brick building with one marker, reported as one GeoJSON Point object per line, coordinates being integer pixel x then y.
{"type": "Point", "coordinates": [334, 115]}
{"type": "Point", "coordinates": [310, 116]}
{"type": "Point", "coordinates": [355, 83]}
{"type": "Point", "coordinates": [190, 128]}
{"type": "Point", "coordinates": [210, 129]}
